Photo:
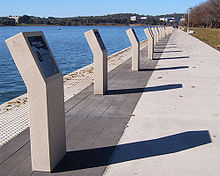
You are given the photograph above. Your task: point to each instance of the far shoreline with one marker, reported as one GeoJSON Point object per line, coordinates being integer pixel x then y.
{"type": "Point", "coordinates": [31, 25]}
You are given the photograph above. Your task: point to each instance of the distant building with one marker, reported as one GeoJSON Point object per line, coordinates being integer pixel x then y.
{"type": "Point", "coordinates": [134, 18]}
{"type": "Point", "coordinates": [143, 18]}
{"type": "Point", "coordinates": [182, 19]}
{"type": "Point", "coordinates": [15, 18]}
{"type": "Point", "coordinates": [167, 19]}
{"type": "Point", "coordinates": [162, 19]}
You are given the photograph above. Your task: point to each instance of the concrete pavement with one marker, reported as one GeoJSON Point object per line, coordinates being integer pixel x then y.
{"type": "Point", "coordinates": [175, 127]}
{"type": "Point", "coordinates": [173, 107]}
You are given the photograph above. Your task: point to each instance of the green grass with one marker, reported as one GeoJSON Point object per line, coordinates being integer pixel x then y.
{"type": "Point", "coordinates": [208, 35]}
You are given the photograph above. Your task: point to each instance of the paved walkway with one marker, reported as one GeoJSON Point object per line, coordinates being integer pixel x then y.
{"type": "Point", "coordinates": [14, 113]}
{"type": "Point", "coordinates": [176, 128]}
{"type": "Point", "coordinates": [173, 107]}
{"type": "Point", "coordinates": [94, 124]}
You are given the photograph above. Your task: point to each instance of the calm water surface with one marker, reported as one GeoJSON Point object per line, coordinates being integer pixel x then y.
{"type": "Point", "coordinates": [69, 47]}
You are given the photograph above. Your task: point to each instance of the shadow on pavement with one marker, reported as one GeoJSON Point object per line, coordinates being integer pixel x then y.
{"type": "Point", "coordinates": [161, 47]}
{"type": "Point", "coordinates": [82, 159]}
{"type": "Point", "coordinates": [168, 51]}
{"type": "Point", "coordinates": [147, 89]}
{"type": "Point", "coordinates": [167, 58]}
{"type": "Point", "coordinates": [167, 68]}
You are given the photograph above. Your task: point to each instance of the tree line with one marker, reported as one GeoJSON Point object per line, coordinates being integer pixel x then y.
{"type": "Point", "coordinates": [206, 14]}
{"type": "Point", "coordinates": [111, 19]}
{"type": "Point", "coordinates": [5, 21]}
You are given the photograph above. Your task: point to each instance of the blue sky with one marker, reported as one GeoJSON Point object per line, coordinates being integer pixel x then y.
{"type": "Point", "coordinates": [70, 8]}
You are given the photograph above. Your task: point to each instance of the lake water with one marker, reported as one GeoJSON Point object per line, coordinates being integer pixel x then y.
{"type": "Point", "coordinates": [68, 45]}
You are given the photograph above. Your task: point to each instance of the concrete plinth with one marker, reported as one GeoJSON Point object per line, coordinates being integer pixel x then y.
{"type": "Point", "coordinates": [100, 61]}
{"type": "Point", "coordinates": [44, 82]}
{"type": "Point", "coordinates": [160, 33]}
{"type": "Point", "coordinates": [135, 49]}
{"type": "Point", "coordinates": [150, 39]}
{"type": "Point", "coordinates": [163, 32]}
{"type": "Point", "coordinates": [155, 35]}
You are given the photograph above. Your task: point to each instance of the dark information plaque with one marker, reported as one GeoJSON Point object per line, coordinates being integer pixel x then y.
{"type": "Point", "coordinates": [100, 40]}
{"type": "Point", "coordinates": [43, 56]}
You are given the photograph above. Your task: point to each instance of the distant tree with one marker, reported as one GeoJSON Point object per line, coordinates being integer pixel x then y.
{"type": "Point", "coordinates": [206, 14]}
{"type": "Point", "coordinates": [113, 19]}
{"type": "Point", "coordinates": [24, 19]}
{"type": "Point", "coordinates": [68, 22]}
{"type": "Point", "coordinates": [7, 21]}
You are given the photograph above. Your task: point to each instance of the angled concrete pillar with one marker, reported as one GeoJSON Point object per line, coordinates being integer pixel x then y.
{"type": "Point", "coordinates": [160, 35]}
{"type": "Point", "coordinates": [135, 49]}
{"type": "Point", "coordinates": [150, 39]}
{"type": "Point", "coordinates": [166, 29]}
{"type": "Point", "coordinates": [170, 30]}
{"type": "Point", "coordinates": [100, 61]}
{"type": "Point", "coordinates": [163, 32]}
{"type": "Point", "coordinates": [44, 82]}
{"type": "Point", "coordinates": [155, 35]}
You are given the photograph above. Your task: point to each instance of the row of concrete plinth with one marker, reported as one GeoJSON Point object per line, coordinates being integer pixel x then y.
{"type": "Point", "coordinates": [44, 82]}
{"type": "Point", "coordinates": [154, 34]}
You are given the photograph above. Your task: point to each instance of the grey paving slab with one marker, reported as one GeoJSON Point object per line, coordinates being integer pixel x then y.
{"type": "Point", "coordinates": [94, 125]}
{"type": "Point", "coordinates": [14, 145]}
{"type": "Point", "coordinates": [40, 174]}
{"type": "Point", "coordinates": [15, 160]}
{"type": "Point", "coordinates": [77, 99]}
{"type": "Point", "coordinates": [23, 169]}
{"type": "Point", "coordinates": [99, 155]}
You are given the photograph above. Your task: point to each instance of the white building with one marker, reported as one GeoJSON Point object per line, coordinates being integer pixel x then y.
{"type": "Point", "coordinates": [134, 18]}
{"type": "Point", "coordinates": [143, 18]}
{"type": "Point", "coordinates": [167, 19]}
{"type": "Point", "coordinates": [182, 19]}
{"type": "Point", "coordinates": [14, 17]}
